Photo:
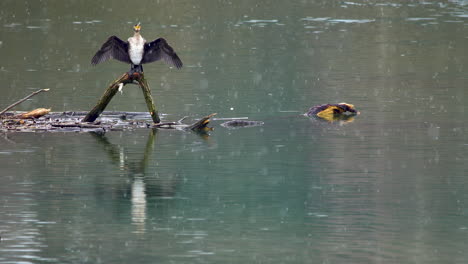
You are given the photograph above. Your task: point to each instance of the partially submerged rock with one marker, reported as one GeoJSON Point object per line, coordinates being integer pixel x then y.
{"type": "Point", "coordinates": [333, 112]}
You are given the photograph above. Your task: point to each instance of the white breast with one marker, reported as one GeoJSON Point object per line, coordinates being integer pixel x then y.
{"type": "Point", "coordinates": [136, 46]}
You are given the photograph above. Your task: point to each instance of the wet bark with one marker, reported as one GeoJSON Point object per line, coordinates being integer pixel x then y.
{"type": "Point", "coordinates": [115, 86]}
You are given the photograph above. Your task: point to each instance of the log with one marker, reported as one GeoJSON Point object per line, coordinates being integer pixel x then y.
{"type": "Point", "coordinates": [148, 99]}
{"type": "Point", "coordinates": [105, 99]}
{"type": "Point", "coordinates": [78, 125]}
{"type": "Point", "coordinates": [116, 86]}
{"type": "Point", "coordinates": [36, 113]}
{"type": "Point", "coordinates": [200, 125]}
{"type": "Point", "coordinates": [67, 122]}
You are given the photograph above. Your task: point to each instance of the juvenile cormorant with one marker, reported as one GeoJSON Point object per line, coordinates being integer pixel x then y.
{"type": "Point", "coordinates": [136, 51]}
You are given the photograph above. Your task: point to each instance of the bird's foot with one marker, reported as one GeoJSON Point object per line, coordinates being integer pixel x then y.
{"type": "Point", "coordinates": [135, 72]}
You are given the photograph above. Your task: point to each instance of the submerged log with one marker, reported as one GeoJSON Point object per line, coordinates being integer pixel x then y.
{"type": "Point", "coordinates": [236, 123]}
{"type": "Point", "coordinates": [118, 85]}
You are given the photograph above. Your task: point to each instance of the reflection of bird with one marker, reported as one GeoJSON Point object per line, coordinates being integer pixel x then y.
{"type": "Point", "coordinates": [136, 51]}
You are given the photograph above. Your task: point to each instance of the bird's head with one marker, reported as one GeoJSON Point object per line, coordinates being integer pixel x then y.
{"type": "Point", "coordinates": [137, 27]}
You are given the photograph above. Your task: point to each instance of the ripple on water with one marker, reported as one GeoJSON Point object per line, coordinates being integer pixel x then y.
{"type": "Point", "coordinates": [318, 215]}
{"type": "Point", "coordinates": [352, 21]}
{"type": "Point", "coordinates": [35, 27]}
{"type": "Point", "coordinates": [353, 3]}
{"type": "Point", "coordinates": [86, 22]}
{"type": "Point", "coordinates": [262, 21]}
{"type": "Point", "coordinates": [337, 20]}
{"type": "Point", "coordinates": [259, 22]}
{"type": "Point", "coordinates": [9, 152]}
{"type": "Point", "coordinates": [194, 233]}
{"type": "Point", "coordinates": [419, 18]}
{"type": "Point", "coordinates": [11, 25]}
{"type": "Point", "coordinates": [388, 4]}
{"type": "Point", "coordinates": [315, 18]}
{"type": "Point", "coordinates": [196, 219]}
{"type": "Point", "coordinates": [201, 252]}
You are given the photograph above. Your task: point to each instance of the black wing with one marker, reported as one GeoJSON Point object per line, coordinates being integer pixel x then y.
{"type": "Point", "coordinates": [113, 48]}
{"type": "Point", "coordinates": [159, 49]}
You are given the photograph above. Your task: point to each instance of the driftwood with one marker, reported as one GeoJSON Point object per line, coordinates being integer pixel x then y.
{"type": "Point", "coordinates": [36, 113]}
{"type": "Point", "coordinates": [41, 120]}
{"type": "Point", "coordinates": [22, 100]}
{"type": "Point", "coordinates": [199, 125]}
{"type": "Point", "coordinates": [139, 78]}
{"type": "Point", "coordinates": [71, 121]}
{"type": "Point", "coordinates": [117, 85]}
{"type": "Point", "coordinates": [76, 124]}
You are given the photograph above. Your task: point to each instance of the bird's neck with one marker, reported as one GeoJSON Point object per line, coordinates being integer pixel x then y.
{"type": "Point", "coordinates": [137, 35]}
{"type": "Point", "coordinates": [137, 40]}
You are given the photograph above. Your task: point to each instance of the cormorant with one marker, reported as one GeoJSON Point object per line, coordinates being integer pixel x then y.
{"type": "Point", "coordinates": [136, 51]}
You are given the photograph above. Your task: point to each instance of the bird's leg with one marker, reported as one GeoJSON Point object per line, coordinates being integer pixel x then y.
{"type": "Point", "coordinates": [131, 71]}
{"type": "Point", "coordinates": [136, 69]}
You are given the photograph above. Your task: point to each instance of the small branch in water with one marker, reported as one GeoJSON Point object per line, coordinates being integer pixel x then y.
{"type": "Point", "coordinates": [199, 125]}
{"type": "Point", "coordinates": [182, 119]}
{"type": "Point", "coordinates": [22, 100]}
{"type": "Point", "coordinates": [202, 123]}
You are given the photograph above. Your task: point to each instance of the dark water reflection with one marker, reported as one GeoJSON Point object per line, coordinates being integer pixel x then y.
{"type": "Point", "coordinates": [389, 187]}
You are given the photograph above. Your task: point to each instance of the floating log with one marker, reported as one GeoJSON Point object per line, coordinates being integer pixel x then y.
{"type": "Point", "coordinates": [118, 85]}
{"type": "Point", "coordinates": [71, 121]}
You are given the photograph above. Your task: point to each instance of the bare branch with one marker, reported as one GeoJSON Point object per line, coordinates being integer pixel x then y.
{"type": "Point", "coordinates": [22, 100]}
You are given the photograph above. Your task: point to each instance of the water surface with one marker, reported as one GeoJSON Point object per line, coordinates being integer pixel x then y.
{"type": "Point", "coordinates": [388, 187]}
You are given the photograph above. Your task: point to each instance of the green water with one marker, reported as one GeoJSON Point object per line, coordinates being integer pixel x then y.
{"type": "Point", "coordinates": [389, 187]}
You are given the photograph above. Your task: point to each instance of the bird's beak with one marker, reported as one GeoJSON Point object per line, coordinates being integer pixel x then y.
{"type": "Point", "coordinates": [137, 27]}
